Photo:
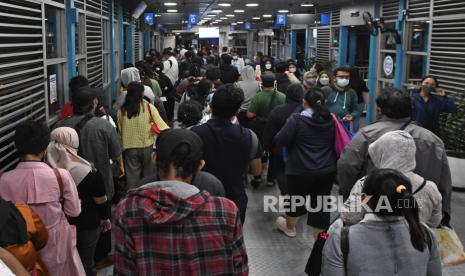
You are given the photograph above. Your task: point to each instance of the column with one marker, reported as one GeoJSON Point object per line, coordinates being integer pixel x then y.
{"type": "Point", "coordinates": [71, 19]}
{"type": "Point", "coordinates": [343, 45]}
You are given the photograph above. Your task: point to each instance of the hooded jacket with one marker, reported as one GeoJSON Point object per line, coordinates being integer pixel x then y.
{"type": "Point", "coordinates": [229, 73]}
{"type": "Point", "coordinates": [171, 228]}
{"type": "Point", "coordinates": [249, 85]}
{"type": "Point", "coordinates": [310, 143]}
{"type": "Point", "coordinates": [396, 150]}
{"type": "Point", "coordinates": [431, 158]}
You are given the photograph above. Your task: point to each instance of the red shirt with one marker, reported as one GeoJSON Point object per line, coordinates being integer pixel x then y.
{"type": "Point", "coordinates": [66, 111]}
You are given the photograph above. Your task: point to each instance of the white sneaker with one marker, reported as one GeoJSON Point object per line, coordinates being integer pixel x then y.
{"type": "Point", "coordinates": [282, 226]}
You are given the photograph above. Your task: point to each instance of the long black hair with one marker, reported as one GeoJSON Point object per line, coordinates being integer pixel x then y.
{"type": "Point", "coordinates": [398, 190]}
{"type": "Point", "coordinates": [316, 99]}
{"type": "Point", "coordinates": [132, 105]}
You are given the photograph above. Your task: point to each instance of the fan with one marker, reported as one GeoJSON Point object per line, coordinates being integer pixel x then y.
{"type": "Point", "coordinates": [370, 23]}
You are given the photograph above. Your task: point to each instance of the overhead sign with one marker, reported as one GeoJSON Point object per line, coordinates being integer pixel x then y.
{"type": "Point", "coordinates": [388, 65]}
{"type": "Point", "coordinates": [281, 19]}
{"type": "Point", "coordinates": [193, 19]}
{"type": "Point", "coordinates": [248, 26]}
{"type": "Point", "coordinates": [148, 18]}
{"type": "Point", "coordinates": [325, 18]}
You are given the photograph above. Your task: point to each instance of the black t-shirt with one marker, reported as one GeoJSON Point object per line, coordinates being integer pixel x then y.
{"type": "Point", "coordinates": [91, 213]}
{"type": "Point", "coordinates": [227, 153]}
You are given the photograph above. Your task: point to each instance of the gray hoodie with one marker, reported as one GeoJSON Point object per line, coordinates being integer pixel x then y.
{"type": "Point", "coordinates": [249, 85]}
{"type": "Point", "coordinates": [396, 150]}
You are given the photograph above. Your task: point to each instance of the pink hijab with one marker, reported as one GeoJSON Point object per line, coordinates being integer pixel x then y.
{"type": "Point", "coordinates": [62, 153]}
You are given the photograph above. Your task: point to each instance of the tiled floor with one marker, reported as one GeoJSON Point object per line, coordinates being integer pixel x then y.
{"type": "Point", "coordinates": [273, 254]}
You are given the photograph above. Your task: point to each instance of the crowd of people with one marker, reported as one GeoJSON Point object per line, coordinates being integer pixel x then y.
{"type": "Point", "coordinates": [186, 135]}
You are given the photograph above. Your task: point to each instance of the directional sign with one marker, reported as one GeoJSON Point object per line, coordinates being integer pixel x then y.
{"type": "Point", "coordinates": [281, 19]}
{"type": "Point", "coordinates": [193, 19]}
{"type": "Point", "coordinates": [247, 25]}
{"type": "Point", "coordinates": [148, 18]}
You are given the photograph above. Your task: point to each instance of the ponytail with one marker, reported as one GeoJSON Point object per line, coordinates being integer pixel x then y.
{"type": "Point", "coordinates": [398, 189]}
{"type": "Point", "coordinates": [317, 101]}
{"type": "Point", "coordinates": [410, 213]}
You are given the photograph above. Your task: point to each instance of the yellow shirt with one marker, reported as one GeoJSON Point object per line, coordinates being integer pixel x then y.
{"type": "Point", "coordinates": [135, 132]}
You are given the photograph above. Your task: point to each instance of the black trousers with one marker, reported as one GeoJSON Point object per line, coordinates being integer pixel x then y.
{"type": "Point", "coordinates": [312, 186]}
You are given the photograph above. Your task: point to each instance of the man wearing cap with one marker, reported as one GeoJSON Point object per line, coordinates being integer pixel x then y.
{"type": "Point", "coordinates": [171, 227]}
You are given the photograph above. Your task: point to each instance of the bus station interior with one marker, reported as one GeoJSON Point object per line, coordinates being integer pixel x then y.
{"type": "Point", "coordinates": [44, 43]}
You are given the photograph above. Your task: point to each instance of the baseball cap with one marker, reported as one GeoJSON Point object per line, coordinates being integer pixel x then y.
{"type": "Point", "coordinates": [168, 141]}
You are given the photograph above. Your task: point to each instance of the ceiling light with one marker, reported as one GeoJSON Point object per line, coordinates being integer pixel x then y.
{"type": "Point", "coordinates": [239, 11]}
{"type": "Point", "coordinates": [223, 18]}
{"type": "Point", "coordinates": [224, 4]}
{"type": "Point", "coordinates": [240, 22]}
{"type": "Point", "coordinates": [267, 15]}
{"type": "Point", "coordinates": [306, 5]}
{"type": "Point", "coordinates": [252, 5]}
{"type": "Point", "coordinates": [217, 11]}
{"type": "Point", "coordinates": [171, 4]}
{"type": "Point", "coordinates": [177, 33]}
{"type": "Point", "coordinates": [172, 10]}
{"type": "Point", "coordinates": [234, 24]}
{"type": "Point", "coordinates": [256, 18]}
{"type": "Point", "coordinates": [211, 15]}
{"type": "Point", "coordinates": [283, 11]}
{"type": "Point", "coordinates": [230, 15]}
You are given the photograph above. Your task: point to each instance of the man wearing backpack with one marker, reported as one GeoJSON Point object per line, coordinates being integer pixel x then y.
{"type": "Point", "coordinates": [431, 157]}
{"type": "Point", "coordinates": [229, 148]}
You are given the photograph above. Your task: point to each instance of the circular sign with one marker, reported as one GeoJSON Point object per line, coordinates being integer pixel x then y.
{"type": "Point", "coordinates": [388, 65]}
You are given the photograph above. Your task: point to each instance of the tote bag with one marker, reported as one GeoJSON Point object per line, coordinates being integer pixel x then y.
{"type": "Point", "coordinates": [341, 138]}
{"type": "Point", "coordinates": [450, 246]}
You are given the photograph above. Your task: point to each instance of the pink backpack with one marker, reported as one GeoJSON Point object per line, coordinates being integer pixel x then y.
{"type": "Point", "coordinates": [341, 137]}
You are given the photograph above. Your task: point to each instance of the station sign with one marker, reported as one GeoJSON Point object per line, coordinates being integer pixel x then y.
{"type": "Point", "coordinates": [388, 65]}
{"type": "Point", "coordinates": [148, 18]}
{"type": "Point", "coordinates": [248, 26]}
{"type": "Point", "coordinates": [281, 19]}
{"type": "Point", "coordinates": [193, 19]}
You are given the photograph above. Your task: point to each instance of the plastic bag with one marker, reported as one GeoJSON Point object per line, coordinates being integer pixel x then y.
{"type": "Point", "coordinates": [450, 246]}
{"type": "Point", "coordinates": [341, 137]}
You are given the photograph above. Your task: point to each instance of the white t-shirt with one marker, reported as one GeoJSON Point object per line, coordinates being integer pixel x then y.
{"type": "Point", "coordinates": [5, 270]}
{"type": "Point", "coordinates": [171, 69]}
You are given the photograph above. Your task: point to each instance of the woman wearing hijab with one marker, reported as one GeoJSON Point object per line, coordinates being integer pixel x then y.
{"type": "Point", "coordinates": [52, 194]}
{"type": "Point", "coordinates": [396, 150]}
{"type": "Point", "coordinates": [95, 214]}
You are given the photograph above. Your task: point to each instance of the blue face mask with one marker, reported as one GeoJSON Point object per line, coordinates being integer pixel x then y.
{"type": "Point", "coordinates": [342, 82]}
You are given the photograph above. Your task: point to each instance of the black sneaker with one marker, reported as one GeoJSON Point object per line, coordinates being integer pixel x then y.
{"type": "Point", "coordinates": [255, 183]}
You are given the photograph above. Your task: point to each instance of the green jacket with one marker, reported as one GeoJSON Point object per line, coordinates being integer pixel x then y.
{"type": "Point", "coordinates": [343, 103]}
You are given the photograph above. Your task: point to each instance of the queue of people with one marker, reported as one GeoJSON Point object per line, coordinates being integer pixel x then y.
{"type": "Point", "coordinates": [184, 136]}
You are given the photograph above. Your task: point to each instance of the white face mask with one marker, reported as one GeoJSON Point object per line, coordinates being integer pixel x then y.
{"type": "Point", "coordinates": [324, 81]}
{"type": "Point", "coordinates": [342, 82]}
{"type": "Point", "coordinates": [292, 70]}
{"type": "Point", "coordinates": [268, 66]}
{"type": "Point", "coordinates": [235, 58]}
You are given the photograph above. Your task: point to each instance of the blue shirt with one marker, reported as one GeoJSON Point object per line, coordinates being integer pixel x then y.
{"type": "Point", "coordinates": [427, 113]}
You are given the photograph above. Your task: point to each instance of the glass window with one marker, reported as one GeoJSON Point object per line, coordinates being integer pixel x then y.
{"type": "Point", "coordinates": [418, 40]}
{"type": "Point", "coordinates": [385, 39]}
{"type": "Point", "coordinates": [415, 65]}
{"type": "Point", "coordinates": [51, 32]}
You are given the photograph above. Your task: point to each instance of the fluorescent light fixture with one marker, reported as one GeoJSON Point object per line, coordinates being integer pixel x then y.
{"type": "Point", "coordinates": [239, 11]}
{"type": "Point", "coordinates": [240, 22]}
{"type": "Point", "coordinates": [230, 15]}
{"type": "Point", "coordinates": [267, 15]}
{"type": "Point", "coordinates": [170, 4]}
{"type": "Point", "coordinates": [172, 10]}
{"type": "Point", "coordinates": [256, 18]}
{"type": "Point", "coordinates": [283, 11]}
{"type": "Point", "coordinates": [234, 24]}
{"type": "Point", "coordinates": [211, 15]}
{"type": "Point", "coordinates": [223, 18]}
{"type": "Point", "coordinates": [177, 33]}
{"type": "Point", "coordinates": [252, 5]}
{"type": "Point", "coordinates": [306, 5]}
{"type": "Point", "coordinates": [224, 4]}
{"type": "Point", "coordinates": [217, 11]}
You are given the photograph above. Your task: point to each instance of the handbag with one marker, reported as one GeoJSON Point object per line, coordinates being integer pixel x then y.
{"type": "Point", "coordinates": [154, 129]}
{"type": "Point", "coordinates": [341, 138]}
{"type": "Point", "coordinates": [258, 124]}
{"type": "Point", "coordinates": [450, 246]}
